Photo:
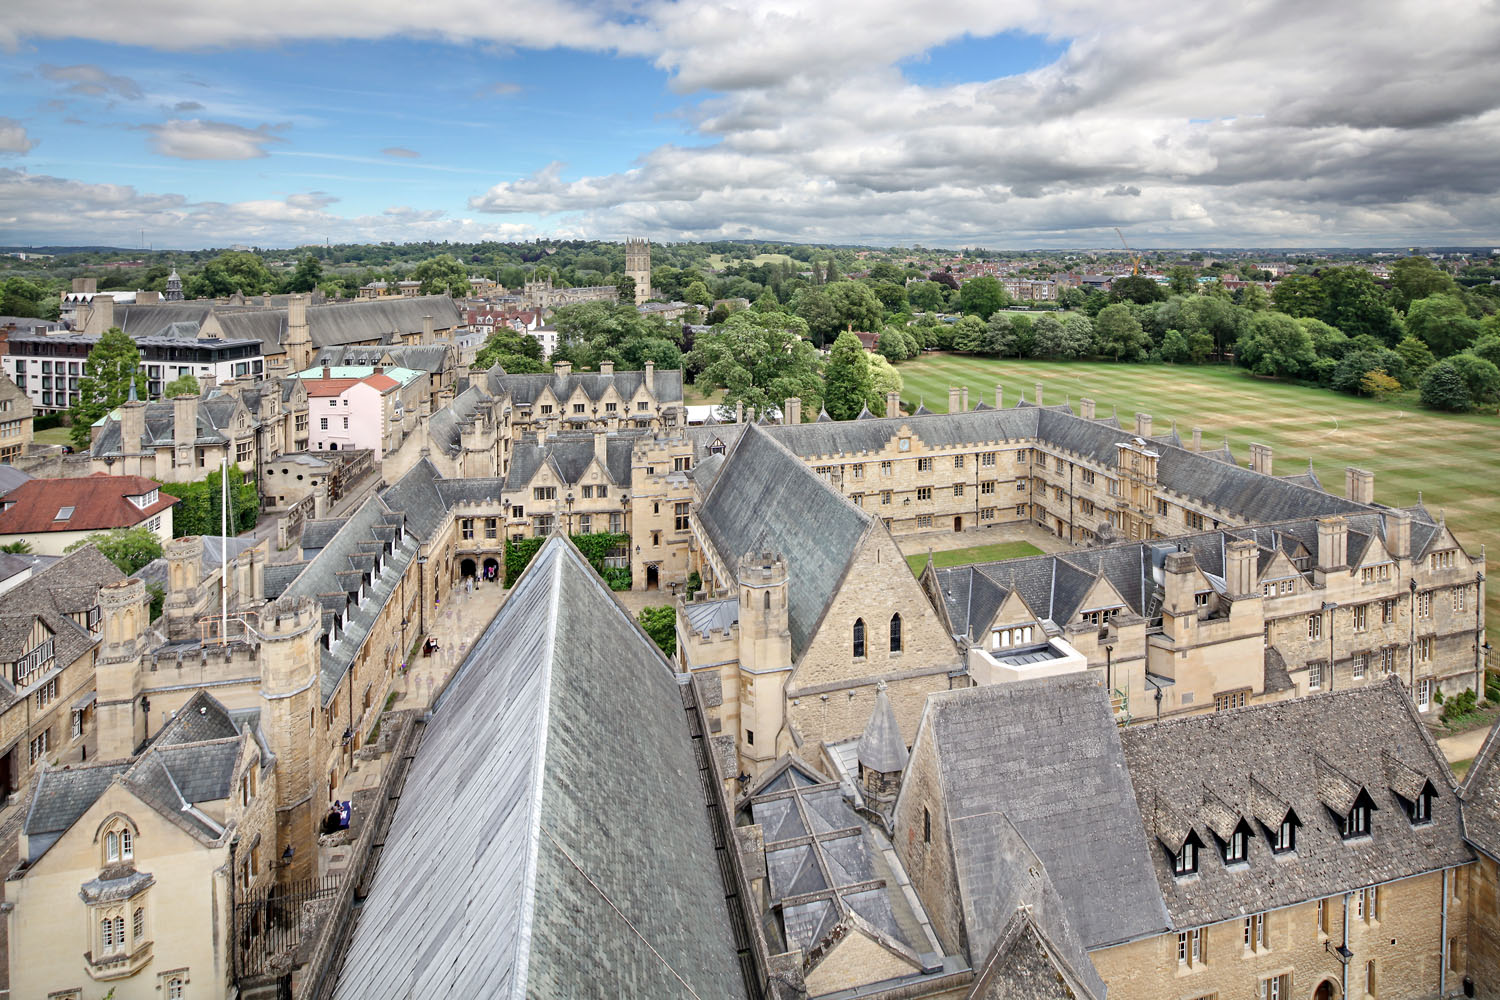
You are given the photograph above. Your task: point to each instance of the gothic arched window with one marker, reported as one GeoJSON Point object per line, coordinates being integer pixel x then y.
{"type": "Point", "coordinates": [859, 637]}
{"type": "Point", "coordinates": [896, 633]}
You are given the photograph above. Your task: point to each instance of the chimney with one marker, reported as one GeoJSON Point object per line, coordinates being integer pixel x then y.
{"type": "Point", "coordinates": [793, 410]}
{"type": "Point", "coordinates": [1038, 394]}
{"type": "Point", "coordinates": [601, 448]}
{"type": "Point", "coordinates": [1197, 438]}
{"type": "Point", "coordinates": [296, 311]}
{"type": "Point", "coordinates": [1397, 533]}
{"type": "Point", "coordinates": [207, 383]}
{"type": "Point", "coordinates": [327, 372]}
{"type": "Point", "coordinates": [1239, 568]}
{"type": "Point", "coordinates": [85, 286]}
{"type": "Point", "coordinates": [379, 370]}
{"type": "Point", "coordinates": [1180, 584]}
{"type": "Point", "coordinates": [999, 396]}
{"type": "Point", "coordinates": [954, 399]}
{"type": "Point", "coordinates": [739, 412]}
{"type": "Point", "coordinates": [1260, 458]}
{"type": "Point", "coordinates": [147, 298]}
{"type": "Point", "coordinates": [101, 313]}
{"type": "Point", "coordinates": [1333, 543]}
{"type": "Point", "coordinates": [1086, 408]}
{"type": "Point", "coordinates": [185, 420]}
{"type": "Point", "coordinates": [651, 378]}
{"type": "Point", "coordinates": [320, 499]}
{"type": "Point", "coordinates": [562, 369]}
{"type": "Point", "coordinates": [893, 404]}
{"type": "Point", "coordinates": [1359, 485]}
{"type": "Point", "coordinates": [427, 334]}
{"type": "Point", "coordinates": [132, 426]}
{"type": "Point", "coordinates": [606, 368]}
{"type": "Point", "coordinates": [1143, 425]}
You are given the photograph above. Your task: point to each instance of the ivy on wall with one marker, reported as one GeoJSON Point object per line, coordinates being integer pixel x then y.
{"type": "Point", "coordinates": [594, 547]}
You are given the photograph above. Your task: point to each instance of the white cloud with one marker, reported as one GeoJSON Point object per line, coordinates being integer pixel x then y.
{"type": "Point", "coordinates": [400, 152]}
{"type": "Point", "coordinates": [91, 80]}
{"type": "Point", "coordinates": [197, 139]}
{"type": "Point", "coordinates": [13, 138]}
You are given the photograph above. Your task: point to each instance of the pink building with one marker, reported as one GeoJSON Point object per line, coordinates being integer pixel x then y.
{"type": "Point", "coordinates": [354, 408]}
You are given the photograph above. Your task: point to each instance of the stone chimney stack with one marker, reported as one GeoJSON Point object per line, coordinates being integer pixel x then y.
{"type": "Point", "coordinates": [1197, 438]}
{"type": "Point", "coordinates": [999, 396]}
{"type": "Point", "coordinates": [562, 369]}
{"type": "Point", "coordinates": [85, 286]}
{"type": "Point", "coordinates": [428, 336]}
{"type": "Point", "coordinates": [1180, 576]}
{"type": "Point", "coordinates": [963, 399]}
{"type": "Point", "coordinates": [1038, 390]}
{"type": "Point", "coordinates": [1239, 568]}
{"type": "Point", "coordinates": [606, 368]}
{"type": "Point", "coordinates": [207, 383]}
{"type": "Point", "coordinates": [1260, 458]}
{"type": "Point", "coordinates": [1086, 408]}
{"type": "Point", "coordinates": [320, 499]}
{"type": "Point", "coordinates": [893, 404]}
{"type": "Point", "coordinates": [1397, 533]}
{"type": "Point", "coordinates": [793, 410]}
{"type": "Point", "coordinates": [1143, 425]}
{"type": "Point", "coordinates": [298, 341]}
{"type": "Point", "coordinates": [1359, 485]}
{"type": "Point", "coordinates": [601, 448]}
{"type": "Point", "coordinates": [651, 378]}
{"type": "Point", "coordinates": [101, 313]}
{"type": "Point", "coordinates": [121, 725]}
{"type": "Point", "coordinates": [1333, 544]}
{"type": "Point", "coordinates": [132, 428]}
{"type": "Point", "coordinates": [955, 399]}
{"type": "Point", "coordinates": [739, 411]}
{"type": "Point", "coordinates": [185, 426]}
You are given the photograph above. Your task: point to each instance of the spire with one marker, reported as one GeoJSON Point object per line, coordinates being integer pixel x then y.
{"type": "Point", "coordinates": [132, 398]}
{"type": "Point", "coordinates": [823, 417]}
{"type": "Point", "coordinates": [880, 747]}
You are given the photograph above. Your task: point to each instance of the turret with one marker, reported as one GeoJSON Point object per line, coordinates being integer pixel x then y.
{"type": "Point", "coordinates": [124, 719]}
{"type": "Point", "coordinates": [184, 578]}
{"type": "Point", "coordinates": [882, 755]}
{"type": "Point", "coordinates": [289, 690]}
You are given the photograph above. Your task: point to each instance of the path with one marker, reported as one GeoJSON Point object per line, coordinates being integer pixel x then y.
{"type": "Point", "coordinates": [1464, 746]}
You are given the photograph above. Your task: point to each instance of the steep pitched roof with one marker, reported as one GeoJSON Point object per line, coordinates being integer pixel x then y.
{"type": "Point", "coordinates": [91, 503]}
{"type": "Point", "coordinates": [766, 500]}
{"type": "Point", "coordinates": [524, 389]}
{"type": "Point", "coordinates": [1045, 755]}
{"type": "Point", "coordinates": [1311, 755]}
{"type": "Point", "coordinates": [1480, 796]}
{"type": "Point", "coordinates": [569, 456]}
{"type": "Point", "coordinates": [543, 887]}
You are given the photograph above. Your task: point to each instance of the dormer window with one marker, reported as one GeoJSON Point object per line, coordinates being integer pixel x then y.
{"type": "Point", "coordinates": [145, 500]}
{"type": "Point", "coordinates": [1286, 836]}
{"type": "Point", "coordinates": [1236, 848]}
{"type": "Point", "coordinates": [1421, 807]}
{"type": "Point", "coordinates": [63, 514]}
{"type": "Point", "coordinates": [1356, 821]}
{"type": "Point", "coordinates": [1185, 861]}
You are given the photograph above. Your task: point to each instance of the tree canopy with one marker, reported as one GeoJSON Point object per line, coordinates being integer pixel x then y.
{"type": "Point", "coordinates": [128, 548]}
{"type": "Point", "coordinates": [759, 359]}
{"type": "Point", "coordinates": [112, 364]}
{"type": "Point", "coordinates": [846, 378]}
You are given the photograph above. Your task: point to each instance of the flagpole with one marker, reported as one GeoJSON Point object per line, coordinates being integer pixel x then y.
{"type": "Point", "coordinates": [224, 550]}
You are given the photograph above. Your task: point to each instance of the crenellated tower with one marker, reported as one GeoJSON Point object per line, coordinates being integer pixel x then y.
{"type": "Point", "coordinates": [124, 719]}
{"type": "Point", "coordinates": [290, 630]}
{"type": "Point", "coordinates": [638, 266]}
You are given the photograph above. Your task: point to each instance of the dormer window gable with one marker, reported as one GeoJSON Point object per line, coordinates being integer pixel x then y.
{"type": "Point", "coordinates": [1347, 801]}
{"type": "Point", "coordinates": [1185, 858]}
{"type": "Point", "coordinates": [1356, 822]}
{"type": "Point", "coordinates": [1413, 789]}
{"type": "Point", "coordinates": [1229, 827]}
{"type": "Point", "coordinates": [1177, 837]}
{"type": "Point", "coordinates": [1278, 820]}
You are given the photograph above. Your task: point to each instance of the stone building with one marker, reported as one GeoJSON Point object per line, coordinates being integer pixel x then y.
{"type": "Point", "coordinates": [15, 422]}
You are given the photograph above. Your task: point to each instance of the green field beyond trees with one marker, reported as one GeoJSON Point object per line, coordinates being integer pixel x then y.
{"type": "Point", "coordinates": [1453, 459]}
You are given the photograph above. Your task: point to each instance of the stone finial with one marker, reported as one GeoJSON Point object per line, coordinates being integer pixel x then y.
{"type": "Point", "coordinates": [881, 748]}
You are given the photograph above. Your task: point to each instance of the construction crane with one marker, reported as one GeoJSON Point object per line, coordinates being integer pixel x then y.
{"type": "Point", "coordinates": [1135, 261]}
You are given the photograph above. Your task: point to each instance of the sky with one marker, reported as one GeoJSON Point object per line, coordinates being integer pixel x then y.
{"type": "Point", "coordinates": [1001, 123]}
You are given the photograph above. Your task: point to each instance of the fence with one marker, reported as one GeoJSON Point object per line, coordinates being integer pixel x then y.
{"type": "Point", "coordinates": [270, 921]}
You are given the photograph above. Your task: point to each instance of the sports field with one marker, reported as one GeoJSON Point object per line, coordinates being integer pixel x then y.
{"type": "Point", "coordinates": [1453, 460]}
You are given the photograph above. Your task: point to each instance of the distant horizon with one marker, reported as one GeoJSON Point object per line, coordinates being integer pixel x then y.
{"type": "Point", "coordinates": [280, 124]}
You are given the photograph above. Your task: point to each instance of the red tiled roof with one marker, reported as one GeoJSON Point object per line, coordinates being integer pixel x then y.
{"type": "Point", "coordinates": [98, 503]}
{"type": "Point", "coordinates": [382, 382]}
{"type": "Point", "coordinates": [337, 386]}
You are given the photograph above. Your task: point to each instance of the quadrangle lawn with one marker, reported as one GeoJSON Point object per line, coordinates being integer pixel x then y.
{"type": "Point", "coordinates": [974, 554]}
{"type": "Point", "coordinates": [1451, 460]}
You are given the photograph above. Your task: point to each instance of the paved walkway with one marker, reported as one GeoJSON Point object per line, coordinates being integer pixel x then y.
{"type": "Point", "coordinates": [460, 619]}
{"type": "Point", "coordinates": [1464, 746]}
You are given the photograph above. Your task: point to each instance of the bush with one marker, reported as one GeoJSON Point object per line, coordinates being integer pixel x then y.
{"type": "Point", "coordinates": [1443, 388]}
{"type": "Point", "coordinates": [660, 623]}
{"type": "Point", "coordinates": [694, 584]}
{"type": "Point", "coordinates": [1459, 706]}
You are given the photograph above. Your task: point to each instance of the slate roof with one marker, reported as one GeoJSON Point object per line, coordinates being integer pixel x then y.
{"type": "Point", "coordinates": [569, 455]}
{"type": "Point", "coordinates": [1480, 796]}
{"type": "Point", "coordinates": [67, 587]}
{"type": "Point", "coordinates": [538, 872]}
{"type": "Point", "coordinates": [766, 500]}
{"type": "Point", "coordinates": [217, 415]}
{"type": "Point", "coordinates": [445, 427]}
{"type": "Point", "coordinates": [1044, 755]}
{"type": "Point", "coordinates": [1301, 753]}
{"type": "Point", "coordinates": [214, 547]}
{"type": "Point", "coordinates": [337, 324]}
{"type": "Point", "coordinates": [428, 358]}
{"type": "Point", "coordinates": [880, 745]}
{"type": "Point", "coordinates": [524, 389]}
{"type": "Point", "coordinates": [98, 504]}
{"type": "Point", "coordinates": [11, 477]}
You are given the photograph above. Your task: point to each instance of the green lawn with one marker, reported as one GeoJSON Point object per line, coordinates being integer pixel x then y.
{"type": "Point", "coordinates": [973, 554]}
{"type": "Point", "coordinates": [717, 262]}
{"type": "Point", "coordinates": [1461, 768]}
{"type": "Point", "coordinates": [53, 435]}
{"type": "Point", "coordinates": [1452, 460]}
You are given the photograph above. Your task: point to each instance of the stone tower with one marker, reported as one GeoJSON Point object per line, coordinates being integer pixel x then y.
{"type": "Point", "coordinates": [124, 721]}
{"type": "Point", "coordinates": [298, 341]}
{"type": "Point", "coordinates": [638, 266]}
{"type": "Point", "coordinates": [184, 578]}
{"type": "Point", "coordinates": [765, 657]}
{"type": "Point", "coordinates": [289, 689]}
{"type": "Point", "coordinates": [174, 288]}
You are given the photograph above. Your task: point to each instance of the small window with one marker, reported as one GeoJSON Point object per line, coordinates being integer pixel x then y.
{"type": "Point", "coordinates": [1357, 822]}
{"type": "Point", "coordinates": [896, 633]}
{"type": "Point", "coordinates": [1421, 807]}
{"type": "Point", "coordinates": [63, 513]}
{"type": "Point", "coordinates": [926, 826]}
{"type": "Point", "coordinates": [1235, 847]}
{"type": "Point", "coordinates": [1286, 836]}
{"type": "Point", "coordinates": [1185, 862]}
{"type": "Point", "coordinates": [859, 638]}
{"type": "Point", "coordinates": [750, 737]}
{"type": "Point", "coordinates": [1255, 932]}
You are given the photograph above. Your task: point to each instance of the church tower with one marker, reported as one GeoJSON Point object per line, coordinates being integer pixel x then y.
{"type": "Point", "coordinates": [638, 267]}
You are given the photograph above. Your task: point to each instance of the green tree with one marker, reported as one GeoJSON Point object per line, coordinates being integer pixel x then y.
{"type": "Point", "coordinates": [892, 295]}
{"type": "Point", "coordinates": [441, 275]}
{"type": "Point", "coordinates": [855, 306]}
{"type": "Point", "coordinates": [128, 548]}
{"type": "Point", "coordinates": [968, 334]}
{"type": "Point", "coordinates": [1183, 280]}
{"type": "Point", "coordinates": [1252, 298]}
{"type": "Point", "coordinates": [759, 359]}
{"type": "Point", "coordinates": [1299, 295]}
{"type": "Point", "coordinates": [236, 271]}
{"type": "Point", "coordinates": [1356, 305]}
{"type": "Point", "coordinates": [1276, 344]}
{"type": "Point", "coordinates": [1348, 375]}
{"type": "Point", "coordinates": [1486, 347]}
{"type": "Point", "coordinates": [1443, 388]}
{"type": "Point", "coordinates": [698, 294]}
{"type": "Point", "coordinates": [884, 378]}
{"type": "Point", "coordinates": [306, 277]}
{"type": "Point", "coordinates": [884, 270]}
{"type": "Point", "coordinates": [896, 344]}
{"type": "Point", "coordinates": [1118, 334]}
{"type": "Point", "coordinates": [1136, 288]}
{"type": "Point", "coordinates": [625, 289]}
{"type": "Point", "coordinates": [982, 296]}
{"type": "Point", "coordinates": [111, 366]}
{"type": "Point", "coordinates": [1442, 322]}
{"type": "Point", "coordinates": [515, 352]}
{"type": "Point", "coordinates": [660, 623]}
{"type": "Point", "coordinates": [926, 295]}
{"type": "Point", "coordinates": [1414, 278]}
{"type": "Point", "coordinates": [185, 384]}
{"type": "Point", "coordinates": [1416, 356]}
{"type": "Point", "coordinates": [20, 297]}
{"type": "Point", "coordinates": [1327, 341]}
{"type": "Point", "coordinates": [846, 378]}
{"type": "Point", "coordinates": [1174, 347]}
{"type": "Point", "coordinates": [1378, 384]}
{"type": "Point", "coordinates": [1481, 378]}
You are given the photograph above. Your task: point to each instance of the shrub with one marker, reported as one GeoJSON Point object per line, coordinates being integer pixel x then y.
{"type": "Point", "coordinates": [660, 623]}
{"type": "Point", "coordinates": [1377, 383]}
{"type": "Point", "coordinates": [1459, 706]}
{"type": "Point", "coordinates": [1443, 388]}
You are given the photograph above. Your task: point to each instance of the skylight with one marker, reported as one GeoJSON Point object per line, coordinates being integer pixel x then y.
{"type": "Point", "coordinates": [63, 513]}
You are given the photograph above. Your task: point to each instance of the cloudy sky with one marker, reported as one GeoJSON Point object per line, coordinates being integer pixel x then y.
{"type": "Point", "coordinates": [1006, 123]}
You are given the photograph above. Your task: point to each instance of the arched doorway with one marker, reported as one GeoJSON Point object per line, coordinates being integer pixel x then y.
{"type": "Point", "coordinates": [466, 568]}
{"type": "Point", "coordinates": [491, 569]}
{"type": "Point", "coordinates": [653, 578]}
{"type": "Point", "coordinates": [958, 522]}
{"type": "Point", "coordinates": [1326, 990]}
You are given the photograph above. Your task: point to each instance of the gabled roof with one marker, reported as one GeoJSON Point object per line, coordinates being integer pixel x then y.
{"type": "Point", "coordinates": [569, 456]}
{"type": "Point", "coordinates": [505, 873]}
{"type": "Point", "coordinates": [67, 587]}
{"type": "Point", "coordinates": [766, 500]}
{"type": "Point", "coordinates": [1480, 795]}
{"type": "Point", "coordinates": [1045, 756]}
{"type": "Point", "coordinates": [91, 503]}
{"type": "Point", "coordinates": [1308, 756]}
{"type": "Point", "coordinates": [524, 389]}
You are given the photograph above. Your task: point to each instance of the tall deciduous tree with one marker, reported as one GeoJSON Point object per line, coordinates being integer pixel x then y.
{"type": "Point", "coordinates": [111, 366]}
{"type": "Point", "coordinates": [846, 378]}
{"type": "Point", "coordinates": [236, 271]}
{"type": "Point", "coordinates": [759, 359]}
{"type": "Point", "coordinates": [127, 548]}
{"type": "Point", "coordinates": [1299, 295]}
{"type": "Point", "coordinates": [185, 384]}
{"type": "Point", "coordinates": [1118, 334]}
{"type": "Point", "coordinates": [1276, 344]}
{"type": "Point", "coordinates": [1442, 322]}
{"type": "Point", "coordinates": [1414, 278]}
{"type": "Point", "coordinates": [982, 296]}
{"type": "Point", "coordinates": [307, 275]}
{"type": "Point", "coordinates": [441, 275]}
